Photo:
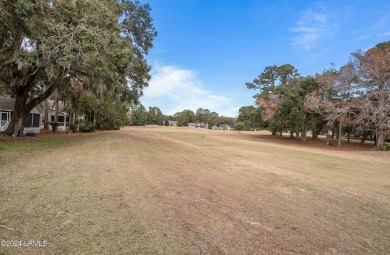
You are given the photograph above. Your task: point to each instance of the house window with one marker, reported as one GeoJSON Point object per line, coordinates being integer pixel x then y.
{"type": "Point", "coordinates": [28, 121]}
{"type": "Point", "coordinates": [32, 120]}
{"type": "Point", "coordinates": [60, 118]}
{"type": "Point", "coordinates": [4, 116]}
{"type": "Point", "coordinates": [36, 118]}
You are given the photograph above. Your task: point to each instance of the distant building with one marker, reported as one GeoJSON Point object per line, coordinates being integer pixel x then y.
{"type": "Point", "coordinates": [198, 125]}
{"type": "Point", "coordinates": [172, 123]}
{"type": "Point", "coordinates": [225, 127]}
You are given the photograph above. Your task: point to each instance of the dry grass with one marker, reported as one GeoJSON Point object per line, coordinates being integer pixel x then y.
{"type": "Point", "coordinates": [185, 191]}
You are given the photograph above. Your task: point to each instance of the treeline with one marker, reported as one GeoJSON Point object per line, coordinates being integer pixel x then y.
{"type": "Point", "coordinates": [139, 116]}
{"type": "Point", "coordinates": [352, 100]}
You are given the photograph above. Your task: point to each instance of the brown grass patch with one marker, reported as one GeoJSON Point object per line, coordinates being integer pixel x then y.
{"type": "Point", "coordinates": [189, 191]}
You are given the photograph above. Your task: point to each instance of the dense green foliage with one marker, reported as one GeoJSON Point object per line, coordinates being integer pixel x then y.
{"type": "Point", "coordinates": [184, 117]}
{"type": "Point", "coordinates": [155, 116]}
{"type": "Point", "coordinates": [85, 126]}
{"type": "Point", "coordinates": [240, 126]}
{"type": "Point", "coordinates": [139, 115]}
{"type": "Point", "coordinates": [250, 117]}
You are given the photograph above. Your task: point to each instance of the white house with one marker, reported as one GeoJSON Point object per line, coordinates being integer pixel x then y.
{"type": "Point", "coordinates": [32, 123]}
{"type": "Point", "coordinates": [225, 127]}
{"type": "Point", "coordinates": [63, 117]}
{"type": "Point", "coordinates": [172, 123]}
{"type": "Point", "coordinates": [198, 125]}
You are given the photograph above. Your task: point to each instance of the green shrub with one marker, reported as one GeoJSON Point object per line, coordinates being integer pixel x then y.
{"type": "Point", "coordinates": [85, 126]}
{"type": "Point", "coordinates": [105, 126]}
{"type": "Point", "coordinates": [386, 147]}
{"type": "Point", "coordinates": [54, 126]}
{"type": "Point", "coordinates": [73, 126]}
{"type": "Point", "coordinates": [240, 126]}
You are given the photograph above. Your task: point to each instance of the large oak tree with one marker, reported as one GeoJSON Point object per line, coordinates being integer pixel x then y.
{"type": "Point", "coordinates": [46, 44]}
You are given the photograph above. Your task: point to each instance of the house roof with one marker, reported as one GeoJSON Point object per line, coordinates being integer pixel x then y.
{"type": "Point", "coordinates": [7, 103]}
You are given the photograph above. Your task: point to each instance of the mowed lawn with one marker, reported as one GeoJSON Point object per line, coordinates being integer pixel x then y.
{"type": "Point", "coordinates": [165, 190]}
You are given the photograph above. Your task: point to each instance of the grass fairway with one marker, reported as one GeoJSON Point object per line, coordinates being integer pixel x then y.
{"type": "Point", "coordinates": [189, 191]}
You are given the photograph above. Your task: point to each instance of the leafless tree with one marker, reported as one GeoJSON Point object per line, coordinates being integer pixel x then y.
{"type": "Point", "coordinates": [373, 68]}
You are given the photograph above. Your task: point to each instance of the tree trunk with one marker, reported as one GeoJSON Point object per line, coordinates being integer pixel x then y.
{"type": "Point", "coordinates": [45, 115]}
{"type": "Point", "coordinates": [327, 137]}
{"type": "Point", "coordinates": [94, 118]}
{"type": "Point", "coordinates": [314, 136]}
{"type": "Point", "coordinates": [71, 116]}
{"type": "Point", "coordinates": [304, 131]}
{"type": "Point", "coordinates": [339, 135]}
{"type": "Point", "coordinates": [16, 125]}
{"type": "Point", "coordinates": [291, 134]}
{"type": "Point", "coordinates": [363, 138]}
{"type": "Point", "coordinates": [379, 140]}
{"type": "Point", "coordinates": [56, 105]}
{"type": "Point", "coordinates": [23, 106]}
{"type": "Point", "coordinates": [349, 133]}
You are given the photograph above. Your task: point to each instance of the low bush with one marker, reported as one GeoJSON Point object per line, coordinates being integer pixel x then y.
{"type": "Point", "coordinates": [54, 126]}
{"type": "Point", "coordinates": [85, 126]}
{"type": "Point", "coordinates": [386, 147]}
{"type": "Point", "coordinates": [104, 126]}
{"type": "Point", "coordinates": [73, 126]}
{"type": "Point", "coordinates": [82, 126]}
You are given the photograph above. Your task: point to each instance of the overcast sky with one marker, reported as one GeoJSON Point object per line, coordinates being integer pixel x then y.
{"type": "Point", "coordinates": [207, 49]}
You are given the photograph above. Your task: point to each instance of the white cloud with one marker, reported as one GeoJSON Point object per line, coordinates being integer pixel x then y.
{"type": "Point", "coordinates": [377, 30]}
{"type": "Point", "coordinates": [173, 89]}
{"type": "Point", "coordinates": [314, 25]}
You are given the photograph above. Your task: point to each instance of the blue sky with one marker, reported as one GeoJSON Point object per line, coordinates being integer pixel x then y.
{"type": "Point", "coordinates": [207, 50]}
